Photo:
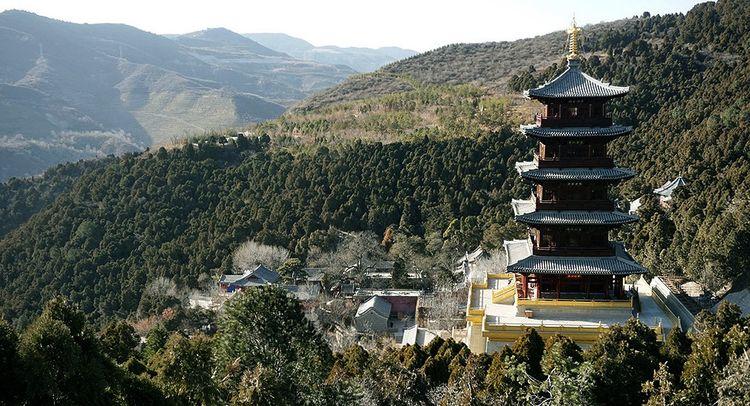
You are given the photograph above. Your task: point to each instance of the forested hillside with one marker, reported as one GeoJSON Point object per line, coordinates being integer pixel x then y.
{"type": "Point", "coordinates": [179, 214]}
{"type": "Point", "coordinates": [447, 170]}
{"type": "Point", "coordinates": [22, 198]}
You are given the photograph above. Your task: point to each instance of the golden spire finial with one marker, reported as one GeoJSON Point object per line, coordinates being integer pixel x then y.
{"type": "Point", "coordinates": [573, 33]}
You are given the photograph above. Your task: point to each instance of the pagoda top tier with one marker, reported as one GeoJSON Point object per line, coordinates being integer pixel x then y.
{"type": "Point", "coordinates": [573, 84]}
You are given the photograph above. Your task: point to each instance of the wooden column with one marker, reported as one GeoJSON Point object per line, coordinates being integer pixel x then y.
{"type": "Point", "coordinates": [558, 286]}
{"type": "Point", "coordinates": [606, 291]}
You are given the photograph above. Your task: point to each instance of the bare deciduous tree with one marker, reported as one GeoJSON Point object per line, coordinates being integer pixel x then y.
{"type": "Point", "coordinates": [495, 263]}
{"type": "Point", "coordinates": [354, 248]}
{"type": "Point", "coordinates": [444, 307]}
{"type": "Point", "coordinates": [251, 254]}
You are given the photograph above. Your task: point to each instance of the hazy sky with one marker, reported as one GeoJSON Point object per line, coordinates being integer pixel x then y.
{"type": "Point", "coordinates": [415, 24]}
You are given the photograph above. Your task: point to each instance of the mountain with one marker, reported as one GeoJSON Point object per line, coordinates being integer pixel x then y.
{"type": "Point", "coordinates": [249, 66]}
{"type": "Point", "coordinates": [442, 171]}
{"type": "Point", "coordinates": [361, 59]}
{"type": "Point", "coordinates": [71, 91]}
{"type": "Point", "coordinates": [280, 41]}
{"type": "Point", "coordinates": [489, 65]}
{"type": "Point", "coordinates": [222, 37]}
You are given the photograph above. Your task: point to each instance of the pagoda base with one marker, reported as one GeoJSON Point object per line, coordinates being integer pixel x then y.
{"type": "Point", "coordinates": [493, 319]}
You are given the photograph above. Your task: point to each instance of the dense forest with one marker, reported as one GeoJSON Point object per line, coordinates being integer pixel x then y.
{"type": "Point", "coordinates": [267, 353]}
{"type": "Point", "coordinates": [180, 213]}
{"type": "Point", "coordinates": [22, 198]}
{"type": "Point", "coordinates": [103, 233]}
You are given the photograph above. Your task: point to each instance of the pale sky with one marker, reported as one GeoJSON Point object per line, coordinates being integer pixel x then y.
{"type": "Point", "coordinates": [417, 24]}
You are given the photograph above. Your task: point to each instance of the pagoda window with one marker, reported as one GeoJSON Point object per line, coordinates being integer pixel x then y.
{"type": "Point", "coordinates": [575, 191]}
{"type": "Point", "coordinates": [548, 194]}
{"type": "Point", "coordinates": [553, 110]}
{"type": "Point", "coordinates": [599, 192]}
{"type": "Point", "coordinates": [576, 149]}
{"type": "Point", "coordinates": [597, 110]}
{"type": "Point", "coordinates": [598, 150]}
{"type": "Point", "coordinates": [572, 112]}
{"type": "Point", "coordinates": [549, 151]}
{"type": "Point", "coordinates": [571, 237]}
{"type": "Point", "coordinates": [547, 240]}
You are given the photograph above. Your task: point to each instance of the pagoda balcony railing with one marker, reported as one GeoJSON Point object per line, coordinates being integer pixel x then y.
{"type": "Point", "coordinates": [575, 205]}
{"type": "Point", "coordinates": [557, 121]}
{"type": "Point", "coordinates": [574, 162]}
{"type": "Point", "coordinates": [574, 251]}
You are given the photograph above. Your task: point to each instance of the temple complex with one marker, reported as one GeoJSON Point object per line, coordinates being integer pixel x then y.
{"type": "Point", "coordinates": [567, 277]}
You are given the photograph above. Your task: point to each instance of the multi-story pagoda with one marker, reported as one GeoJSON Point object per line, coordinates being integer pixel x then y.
{"type": "Point", "coordinates": [566, 277]}
{"type": "Point", "coordinates": [570, 212]}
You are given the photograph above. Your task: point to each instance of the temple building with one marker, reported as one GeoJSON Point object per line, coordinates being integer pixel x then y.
{"type": "Point", "coordinates": [567, 277]}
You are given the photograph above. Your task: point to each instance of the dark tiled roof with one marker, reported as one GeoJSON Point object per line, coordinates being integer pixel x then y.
{"type": "Point", "coordinates": [257, 277]}
{"type": "Point", "coordinates": [533, 130]}
{"type": "Point", "coordinates": [574, 83]}
{"type": "Point", "coordinates": [266, 274]}
{"type": "Point", "coordinates": [530, 170]}
{"type": "Point", "coordinates": [619, 264]}
{"type": "Point", "coordinates": [576, 265]}
{"type": "Point", "coordinates": [576, 217]}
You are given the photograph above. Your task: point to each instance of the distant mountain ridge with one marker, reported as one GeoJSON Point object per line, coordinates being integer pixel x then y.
{"type": "Point", "coordinates": [211, 36]}
{"type": "Point", "coordinates": [70, 91]}
{"type": "Point", "coordinates": [359, 58]}
{"type": "Point", "coordinates": [489, 65]}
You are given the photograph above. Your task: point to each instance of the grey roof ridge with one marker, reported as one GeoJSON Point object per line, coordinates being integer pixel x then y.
{"type": "Point", "coordinates": [372, 303]}
{"type": "Point", "coordinates": [531, 170]}
{"type": "Point", "coordinates": [614, 130]}
{"type": "Point", "coordinates": [528, 218]}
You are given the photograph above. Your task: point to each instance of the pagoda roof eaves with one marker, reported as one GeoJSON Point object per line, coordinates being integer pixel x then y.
{"type": "Point", "coordinates": [530, 170]}
{"type": "Point", "coordinates": [533, 130]}
{"type": "Point", "coordinates": [575, 217]}
{"type": "Point", "coordinates": [573, 84]}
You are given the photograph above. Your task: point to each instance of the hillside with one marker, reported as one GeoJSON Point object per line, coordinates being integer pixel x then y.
{"type": "Point", "coordinates": [180, 213]}
{"type": "Point", "coordinates": [359, 58]}
{"type": "Point", "coordinates": [446, 172]}
{"type": "Point", "coordinates": [71, 91]}
{"type": "Point", "coordinates": [489, 65]}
